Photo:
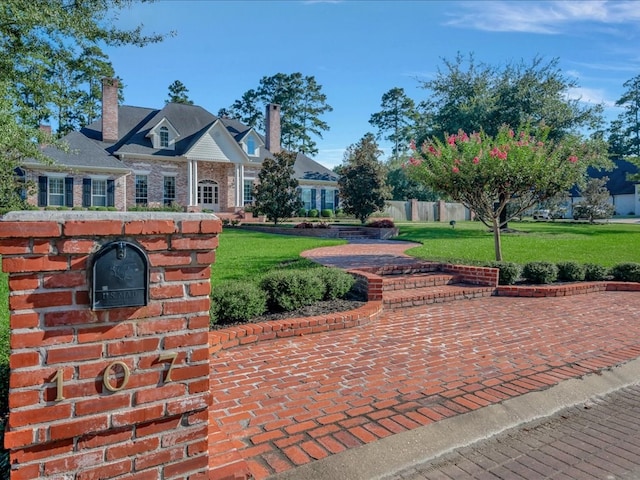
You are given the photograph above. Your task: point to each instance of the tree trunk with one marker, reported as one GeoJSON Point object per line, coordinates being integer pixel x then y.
{"type": "Point", "coordinates": [496, 238]}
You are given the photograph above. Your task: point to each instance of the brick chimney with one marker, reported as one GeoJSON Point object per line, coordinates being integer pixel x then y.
{"type": "Point", "coordinates": [273, 128]}
{"type": "Point", "coordinates": [109, 110]}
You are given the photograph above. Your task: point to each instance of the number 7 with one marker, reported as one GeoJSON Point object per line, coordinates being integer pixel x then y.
{"type": "Point", "coordinates": [168, 356]}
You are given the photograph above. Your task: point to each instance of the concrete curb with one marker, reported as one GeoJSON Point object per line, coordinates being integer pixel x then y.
{"type": "Point", "coordinates": [404, 450]}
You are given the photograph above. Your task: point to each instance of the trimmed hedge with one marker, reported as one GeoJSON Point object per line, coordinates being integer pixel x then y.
{"type": "Point", "coordinates": [540, 272]}
{"type": "Point", "coordinates": [337, 282]}
{"type": "Point", "coordinates": [237, 301]}
{"type": "Point", "coordinates": [509, 272]}
{"type": "Point", "coordinates": [292, 289]}
{"type": "Point", "coordinates": [626, 272]}
{"type": "Point", "coordinates": [571, 271]}
{"type": "Point", "coordinates": [595, 273]}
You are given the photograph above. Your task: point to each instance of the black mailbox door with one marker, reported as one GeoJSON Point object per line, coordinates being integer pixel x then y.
{"type": "Point", "coordinates": [120, 276]}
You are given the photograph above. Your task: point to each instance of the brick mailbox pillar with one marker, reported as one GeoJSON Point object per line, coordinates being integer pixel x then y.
{"type": "Point", "coordinates": [104, 391]}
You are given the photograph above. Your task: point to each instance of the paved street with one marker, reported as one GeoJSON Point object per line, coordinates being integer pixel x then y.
{"type": "Point", "coordinates": [599, 439]}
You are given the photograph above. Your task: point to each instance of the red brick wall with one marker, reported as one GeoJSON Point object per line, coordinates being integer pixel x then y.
{"type": "Point", "coordinates": [64, 421]}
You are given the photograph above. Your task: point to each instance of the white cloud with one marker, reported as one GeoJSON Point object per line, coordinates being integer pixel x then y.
{"type": "Point", "coordinates": [544, 17]}
{"type": "Point", "coordinates": [590, 95]}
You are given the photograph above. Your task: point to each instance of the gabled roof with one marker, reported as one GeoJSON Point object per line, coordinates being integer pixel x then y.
{"type": "Point", "coordinates": [88, 151]}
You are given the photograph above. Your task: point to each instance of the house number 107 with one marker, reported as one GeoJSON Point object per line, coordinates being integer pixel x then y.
{"type": "Point", "coordinates": [106, 377]}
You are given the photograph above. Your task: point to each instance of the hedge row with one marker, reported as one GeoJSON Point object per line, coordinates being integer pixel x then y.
{"type": "Point", "coordinates": [547, 272]}
{"type": "Point", "coordinates": [277, 291]}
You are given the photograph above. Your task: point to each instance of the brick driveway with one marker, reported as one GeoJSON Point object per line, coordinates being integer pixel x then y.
{"type": "Point", "coordinates": [290, 401]}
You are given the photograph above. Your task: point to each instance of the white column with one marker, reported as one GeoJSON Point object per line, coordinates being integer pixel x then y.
{"type": "Point", "coordinates": [194, 182]}
{"type": "Point", "coordinates": [239, 200]}
{"type": "Point", "coordinates": [189, 183]}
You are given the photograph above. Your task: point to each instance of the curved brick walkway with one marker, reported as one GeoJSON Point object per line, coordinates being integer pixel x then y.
{"type": "Point", "coordinates": [288, 402]}
{"type": "Point", "coordinates": [362, 253]}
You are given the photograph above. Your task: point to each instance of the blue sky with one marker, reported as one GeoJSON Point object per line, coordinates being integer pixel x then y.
{"type": "Point", "coordinates": [357, 49]}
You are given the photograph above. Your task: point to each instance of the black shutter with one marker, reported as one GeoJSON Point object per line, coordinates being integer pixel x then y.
{"type": "Point", "coordinates": [336, 200]}
{"type": "Point", "coordinates": [323, 199]}
{"type": "Point", "coordinates": [111, 193]}
{"type": "Point", "coordinates": [42, 191]}
{"type": "Point", "coordinates": [313, 198]}
{"type": "Point", "coordinates": [68, 191]}
{"type": "Point", "coordinates": [86, 192]}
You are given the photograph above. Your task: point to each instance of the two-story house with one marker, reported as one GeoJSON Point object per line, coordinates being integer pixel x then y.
{"type": "Point", "coordinates": [180, 154]}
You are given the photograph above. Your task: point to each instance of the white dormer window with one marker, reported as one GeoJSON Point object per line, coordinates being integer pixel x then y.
{"type": "Point", "coordinates": [251, 146]}
{"type": "Point", "coordinates": [164, 137]}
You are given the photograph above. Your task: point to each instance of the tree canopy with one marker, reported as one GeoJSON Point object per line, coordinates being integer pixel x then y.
{"type": "Point", "coordinates": [302, 104]}
{"type": "Point", "coordinates": [624, 132]}
{"type": "Point", "coordinates": [51, 64]}
{"type": "Point", "coordinates": [486, 173]}
{"type": "Point", "coordinates": [276, 195]}
{"type": "Point", "coordinates": [473, 96]}
{"type": "Point", "coordinates": [179, 93]}
{"type": "Point", "coordinates": [397, 118]}
{"type": "Point", "coordinates": [362, 181]}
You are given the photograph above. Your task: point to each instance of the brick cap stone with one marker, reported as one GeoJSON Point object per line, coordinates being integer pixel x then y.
{"type": "Point", "coordinates": [66, 216]}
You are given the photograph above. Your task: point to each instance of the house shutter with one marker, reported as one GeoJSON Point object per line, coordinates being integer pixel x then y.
{"type": "Point", "coordinates": [336, 199]}
{"type": "Point", "coordinates": [68, 191]}
{"type": "Point", "coordinates": [323, 199]}
{"type": "Point", "coordinates": [111, 193]}
{"type": "Point", "coordinates": [313, 199]}
{"type": "Point", "coordinates": [86, 192]}
{"type": "Point", "coordinates": [42, 191]}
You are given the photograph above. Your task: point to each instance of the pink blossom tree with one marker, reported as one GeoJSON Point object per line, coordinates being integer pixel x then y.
{"type": "Point", "coordinates": [487, 173]}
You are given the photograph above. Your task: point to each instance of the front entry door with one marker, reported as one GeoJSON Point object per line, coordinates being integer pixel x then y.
{"type": "Point", "coordinates": [208, 195]}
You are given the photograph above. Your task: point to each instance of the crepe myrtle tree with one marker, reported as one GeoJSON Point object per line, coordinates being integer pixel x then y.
{"type": "Point", "coordinates": [276, 195]}
{"type": "Point", "coordinates": [486, 173]}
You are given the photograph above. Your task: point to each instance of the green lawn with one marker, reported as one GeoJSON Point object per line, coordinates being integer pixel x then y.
{"type": "Point", "coordinates": [604, 244]}
{"type": "Point", "coordinates": [243, 254]}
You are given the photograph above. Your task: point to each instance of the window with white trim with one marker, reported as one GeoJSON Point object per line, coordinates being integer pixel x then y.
{"type": "Point", "coordinates": [55, 190]}
{"type": "Point", "coordinates": [98, 193]}
{"type": "Point", "coordinates": [164, 137]}
{"type": "Point", "coordinates": [248, 192]}
{"type": "Point", "coordinates": [169, 190]}
{"type": "Point", "coordinates": [251, 146]}
{"type": "Point", "coordinates": [142, 189]}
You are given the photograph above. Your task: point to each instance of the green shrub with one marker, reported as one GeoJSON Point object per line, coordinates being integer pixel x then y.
{"type": "Point", "coordinates": [337, 282]}
{"type": "Point", "coordinates": [237, 301]}
{"type": "Point", "coordinates": [313, 213]}
{"type": "Point", "coordinates": [292, 289]}
{"type": "Point", "coordinates": [540, 272]}
{"type": "Point", "coordinates": [302, 212]}
{"type": "Point", "coordinates": [595, 273]}
{"type": "Point", "coordinates": [571, 271]}
{"type": "Point", "coordinates": [326, 213]}
{"type": "Point", "coordinates": [626, 272]}
{"type": "Point", "coordinates": [509, 272]}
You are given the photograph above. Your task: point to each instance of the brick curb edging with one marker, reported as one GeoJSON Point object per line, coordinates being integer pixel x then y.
{"type": "Point", "coordinates": [580, 288]}
{"type": "Point", "coordinates": [227, 338]}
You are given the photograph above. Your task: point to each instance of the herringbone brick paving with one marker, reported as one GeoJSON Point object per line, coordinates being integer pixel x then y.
{"type": "Point", "coordinates": [595, 441]}
{"type": "Point", "coordinates": [291, 401]}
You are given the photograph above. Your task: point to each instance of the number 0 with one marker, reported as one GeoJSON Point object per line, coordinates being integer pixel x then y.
{"type": "Point", "coordinates": [106, 379]}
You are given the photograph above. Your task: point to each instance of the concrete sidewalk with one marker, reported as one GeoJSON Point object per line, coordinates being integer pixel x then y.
{"type": "Point", "coordinates": [586, 428]}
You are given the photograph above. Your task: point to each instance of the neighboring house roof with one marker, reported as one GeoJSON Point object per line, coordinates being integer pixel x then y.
{"type": "Point", "coordinates": [87, 150]}
{"type": "Point", "coordinates": [617, 183]}
{"type": "Point", "coordinates": [307, 169]}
